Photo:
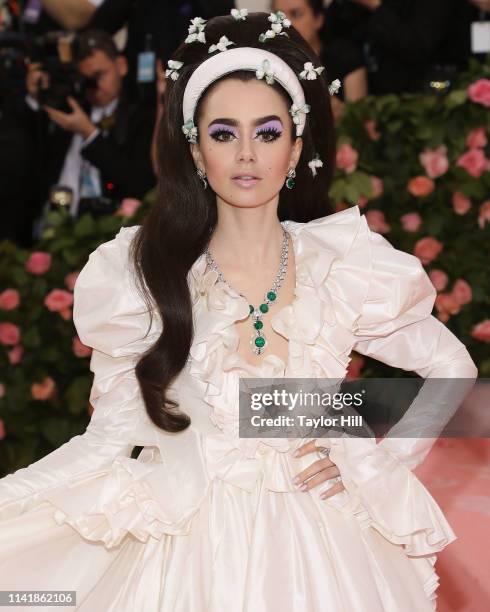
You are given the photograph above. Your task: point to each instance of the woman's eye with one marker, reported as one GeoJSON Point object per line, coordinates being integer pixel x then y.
{"type": "Point", "coordinates": [217, 135]}
{"type": "Point", "coordinates": [271, 134]}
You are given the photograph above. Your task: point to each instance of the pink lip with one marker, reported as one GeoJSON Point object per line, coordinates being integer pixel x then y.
{"type": "Point", "coordinates": [246, 182]}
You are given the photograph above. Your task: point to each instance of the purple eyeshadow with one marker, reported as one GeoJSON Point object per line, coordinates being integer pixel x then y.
{"type": "Point", "coordinates": [218, 127]}
{"type": "Point", "coordinates": [274, 125]}
{"type": "Point", "coordinates": [269, 125]}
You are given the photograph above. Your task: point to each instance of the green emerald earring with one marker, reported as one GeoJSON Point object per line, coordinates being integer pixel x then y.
{"type": "Point", "coordinates": [290, 182]}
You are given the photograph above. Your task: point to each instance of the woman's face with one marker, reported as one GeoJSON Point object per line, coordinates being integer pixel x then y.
{"type": "Point", "coordinates": [302, 18]}
{"type": "Point", "coordinates": [245, 130]}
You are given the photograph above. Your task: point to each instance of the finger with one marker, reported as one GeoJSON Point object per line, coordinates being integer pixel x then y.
{"type": "Point", "coordinates": [336, 488]}
{"type": "Point", "coordinates": [73, 103]}
{"type": "Point", "coordinates": [314, 481]}
{"type": "Point", "coordinates": [315, 468]}
{"type": "Point", "coordinates": [306, 448]}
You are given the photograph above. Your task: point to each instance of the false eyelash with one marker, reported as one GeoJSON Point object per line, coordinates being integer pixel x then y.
{"type": "Point", "coordinates": [272, 131]}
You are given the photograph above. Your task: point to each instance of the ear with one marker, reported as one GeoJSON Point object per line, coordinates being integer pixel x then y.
{"type": "Point", "coordinates": [296, 152]}
{"type": "Point", "coordinates": [196, 155]}
{"type": "Point", "coordinates": [122, 65]}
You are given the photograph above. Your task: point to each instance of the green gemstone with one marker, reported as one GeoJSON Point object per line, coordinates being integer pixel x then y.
{"type": "Point", "coordinates": [290, 183]}
{"type": "Point", "coordinates": [251, 308]}
{"type": "Point", "coordinates": [271, 296]}
{"type": "Point", "coordinates": [264, 308]}
{"type": "Point", "coordinates": [258, 325]}
{"type": "Point", "coordinates": [260, 342]}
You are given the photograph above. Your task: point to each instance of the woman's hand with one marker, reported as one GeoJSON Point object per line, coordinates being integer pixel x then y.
{"type": "Point", "coordinates": [317, 472]}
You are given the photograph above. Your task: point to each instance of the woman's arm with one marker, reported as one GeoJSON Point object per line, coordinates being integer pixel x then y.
{"type": "Point", "coordinates": [356, 85]}
{"type": "Point", "coordinates": [396, 327]}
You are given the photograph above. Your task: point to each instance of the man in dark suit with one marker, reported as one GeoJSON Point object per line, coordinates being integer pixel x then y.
{"type": "Point", "coordinates": [101, 149]}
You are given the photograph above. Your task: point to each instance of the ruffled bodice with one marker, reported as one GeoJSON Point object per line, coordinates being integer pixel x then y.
{"type": "Point", "coordinates": [352, 288]}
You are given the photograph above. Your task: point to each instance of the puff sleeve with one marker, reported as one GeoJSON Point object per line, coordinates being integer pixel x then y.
{"type": "Point", "coordinates": [113, 319]}
{"type": "Point", "coordinates": [396, 327]}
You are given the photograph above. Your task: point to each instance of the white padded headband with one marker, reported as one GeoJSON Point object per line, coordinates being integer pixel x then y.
{"type": "Point", "coordinates": [244, 58]}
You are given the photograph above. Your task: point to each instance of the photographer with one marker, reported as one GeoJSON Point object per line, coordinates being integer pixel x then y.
{"type": "Point", "coordinates": [98, 145]}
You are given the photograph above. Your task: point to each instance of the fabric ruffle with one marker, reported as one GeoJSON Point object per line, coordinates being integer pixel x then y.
{"type": "Point", "coordinates": [140, 497]}
{"type": "Point", "coordinates": [349, 281]}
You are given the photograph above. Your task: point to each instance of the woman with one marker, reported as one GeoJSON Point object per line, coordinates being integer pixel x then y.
{"type": "Point", "coordinates": [203, 519]}
{"type": "Point", "coordinates": [342, 56]}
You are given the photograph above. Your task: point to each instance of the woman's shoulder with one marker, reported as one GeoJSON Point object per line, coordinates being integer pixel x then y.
{"type": "Point", "coordinates": [374, 284]}
{"type": "Point", "coordinates": [109, 311]}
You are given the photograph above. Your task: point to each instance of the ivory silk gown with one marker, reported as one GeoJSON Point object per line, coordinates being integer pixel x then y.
{"type": "Point", "coordinates": [204, 521]}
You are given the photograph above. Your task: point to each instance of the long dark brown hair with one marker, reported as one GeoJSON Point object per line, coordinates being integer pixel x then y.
{"type": "Point", "coordinates": [178, 227]}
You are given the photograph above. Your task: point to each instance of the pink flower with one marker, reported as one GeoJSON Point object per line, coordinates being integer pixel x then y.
{"type": "Point", "coordinates": [2, 430]}
{"type": "Point", "coordinates": [371, 128]}
{"type": "Point", "coordinates": [411, 222]}
{"type": "Point", "coordinates": [66, 314]}
{"type": "Point", "coordinates": [38, 262]}
{"type": "Point", "coordinates": [9, 299]}
{"type": "Point", "coordinates": [362, 202]}
{"type": "Point", "coordinates": [479, 92]}
{"type": "Point", "coordinates": [377, 187]}
{"type": "Point", "coordinates": [446, 303]}
{"type": "Point", "coordinates": [9, 334]}
{"type": "Point", "coordinates": [44, 390]}
{"type": "Point", "coordinates": [15, 355]}
{"type": "Point", "coordinates": [80, 349]}
{"type": "Point", "coordinates": [420, 186]}
{"type": "Point", "coordinates": [439, 279]}
{"type": "Point", "coordinates": [354, 369]}
{"type": "Point", "coordinates": [435, 161]}
{"type": "Point", "coordinates": [346, 158]}
{"type": "Point", "coordinates": [484, 214]}
{"type": "Point", "coordinates": [58, 299]}
{"type": "Point", "coordinates": [461, 203]}
{"type": "Point", "coordinates": [377, 222]}
{"type": "Point", "coordinates": [71, 279]}
{"type": "Point", "coordinates": [477, 139]}
{"type": "Point", "coordinates": [481, 331]}
{"type": "Point", "coordinates": [474, 162]}
{"type": "Point", "coordinates": [128, 207]}
{"type": "Point", "coordinates": [462, 292]}
{"type": "Point", "coordinates": [427, 249]}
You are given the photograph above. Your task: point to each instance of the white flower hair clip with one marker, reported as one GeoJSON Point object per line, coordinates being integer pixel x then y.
{"type": "Point", "coordinates": [295, 111]}
{"type": "Point", "coordinates": [222, 45]}
{"type": "Point", "coordinates": [196, 30]}
{"type": "Point", "coordinates": [239, 14]}
{"type": "Point", "coordinates": [265, 71]}
{"type": "Point", "coordinates": [309, 73]}
{"type": "Point", "coordinates": [173, 69]}
{"type": "Point", "coordinates": [279, 21]}
{"type": "Point", "coordinates": [334, 87]}
{"type": "Point", "coordinates": [315, 163]}
{"type": "Point", "coordinates": [190, 131]}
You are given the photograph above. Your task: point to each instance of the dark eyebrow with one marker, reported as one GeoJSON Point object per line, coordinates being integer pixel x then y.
{"type": "Point", "coordinates": [234, 122]}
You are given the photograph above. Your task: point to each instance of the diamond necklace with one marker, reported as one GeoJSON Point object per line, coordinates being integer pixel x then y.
{"type": "Point", "coordinates": [258, 340]}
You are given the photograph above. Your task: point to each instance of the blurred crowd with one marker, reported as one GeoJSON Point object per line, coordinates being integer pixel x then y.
{"type": "Point", "coordinates": [81, 83]}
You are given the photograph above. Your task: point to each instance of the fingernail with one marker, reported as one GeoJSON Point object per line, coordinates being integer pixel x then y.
{"type": "Point", "coordinates": [296, 453]}
{"type": "Point", "coordinates": [296, 479]}
{"type": "Point", "coordinates": [303, 487]}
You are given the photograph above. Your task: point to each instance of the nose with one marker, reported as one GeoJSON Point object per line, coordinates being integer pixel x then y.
{"type": "Point", "coordinates": [246, 150]}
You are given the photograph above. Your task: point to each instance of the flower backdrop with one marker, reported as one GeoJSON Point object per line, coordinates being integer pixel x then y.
{"type": "Point", "coordinates": [418, 166]}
